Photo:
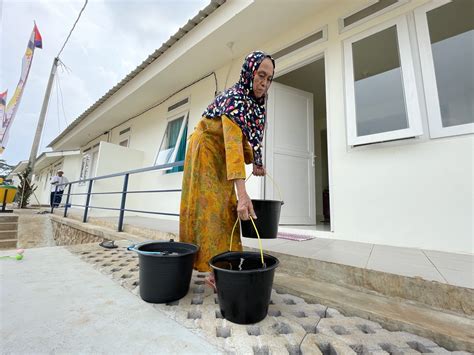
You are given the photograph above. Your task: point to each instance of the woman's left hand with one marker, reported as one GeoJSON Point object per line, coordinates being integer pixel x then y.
{"type": "Point", "coordinates": [258, 170]}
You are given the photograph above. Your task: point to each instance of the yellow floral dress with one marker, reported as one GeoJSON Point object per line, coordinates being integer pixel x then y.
{"type": "Point", "coordinates": [217, 153]}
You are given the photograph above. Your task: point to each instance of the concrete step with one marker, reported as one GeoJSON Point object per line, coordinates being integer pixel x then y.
{"type": "Point", "coordinates": [448, 329]}
{"type": "Point", "coordinates": [8, 234]}
{"type": "Point", "coordinates": [8, 226]}
{"type": "Point", "coordinates": [430, 293]}
{"type": "Point", "coordinates": [8, 243]}
{"type": "Point", "coordinates": [8, 218]}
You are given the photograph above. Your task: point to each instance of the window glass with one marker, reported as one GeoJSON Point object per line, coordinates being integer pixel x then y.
{"type": "Point", "coordinates": [181, 151]}
{"type": "Point", "coordinates": [169, 141]}
{"type": "Point", "coordinates": [451, 29]}
{"type": "Point", "coordinates": [378, 84]}
{"type": "Point", "coordinates": [173, 145]}
{"type": "Point", "coordinates": [369, 10]}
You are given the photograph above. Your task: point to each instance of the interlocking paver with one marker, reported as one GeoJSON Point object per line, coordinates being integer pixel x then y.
{"type": "Point", "coordinates": [293, 326]}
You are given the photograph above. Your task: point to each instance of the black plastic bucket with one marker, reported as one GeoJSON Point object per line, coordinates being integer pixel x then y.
{"type": "Point", "coordinates": [268, 218]}
{"type": "Point", "coordinates": [165, 269]}
{"type": "Point", "coordinates": [244, 295]}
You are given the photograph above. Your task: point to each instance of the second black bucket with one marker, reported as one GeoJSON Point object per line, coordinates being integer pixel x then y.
{"type": "Point", "coordinates": [244, 287]}
{"type": "Point", "coordinates": [268, 218]}
{"type": "Point", "coordinates": [165, 269]}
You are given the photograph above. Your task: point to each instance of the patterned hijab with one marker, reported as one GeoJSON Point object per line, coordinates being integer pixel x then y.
{"type": "Point", "coordinates": [241, 106]}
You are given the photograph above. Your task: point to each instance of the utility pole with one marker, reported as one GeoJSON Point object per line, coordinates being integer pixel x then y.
{"type": "Point", "coordinates": [39, 127]}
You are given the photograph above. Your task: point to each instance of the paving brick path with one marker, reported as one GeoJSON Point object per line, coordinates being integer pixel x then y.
{"type": "Point", "coordinates": [292, 326]}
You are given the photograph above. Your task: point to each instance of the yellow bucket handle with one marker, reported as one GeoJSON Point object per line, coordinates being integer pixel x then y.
{"type": "Point", "coordinates": [274, 183]}
{"type": "Point", "coordinates": [258, 235]}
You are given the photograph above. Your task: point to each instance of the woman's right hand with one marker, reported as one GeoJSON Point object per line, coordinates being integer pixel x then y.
{"type": "Point", "coordinates": [258, 170]}
{"type": "Point", "coordinates": [245, 208]}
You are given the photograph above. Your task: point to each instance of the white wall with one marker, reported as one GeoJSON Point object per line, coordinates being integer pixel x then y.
{"type": "Point", "coordinates": [72, 166]}
{"type": "Point", "coordinates": [413, 193]}
{"type": "Point", "coordinates": [41, 192]}
{"type": "Point", "coordinates": [147, 131]}
{"type": "Point", "coordinates": [113, 159]}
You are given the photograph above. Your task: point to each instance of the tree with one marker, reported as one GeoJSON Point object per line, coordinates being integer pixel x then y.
{"type": "Point", "coordinates": [25, 188]}
{"type": "Point", "coordinates": [5, 168]}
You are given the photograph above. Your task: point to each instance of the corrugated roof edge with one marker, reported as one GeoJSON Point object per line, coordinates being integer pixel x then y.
{"type": "Point", "coordinates": [196, 20]}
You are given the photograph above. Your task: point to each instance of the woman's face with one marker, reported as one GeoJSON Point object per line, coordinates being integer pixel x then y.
{"type": "Point", "coordinates": [263, 78]}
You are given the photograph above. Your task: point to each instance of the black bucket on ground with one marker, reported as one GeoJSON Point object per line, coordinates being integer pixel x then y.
{"type": "Point", "coordinates": [165, 269]}
{"type": "Point", "coordinates": [244, 287]}
{"type": "Point", "coordinates": [268, 218]}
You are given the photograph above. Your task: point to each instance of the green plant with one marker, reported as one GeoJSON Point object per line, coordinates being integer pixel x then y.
{"type": "Point", "coordinates": [25, 188]}
{"type": "Point", "coordinates": [5, 168]}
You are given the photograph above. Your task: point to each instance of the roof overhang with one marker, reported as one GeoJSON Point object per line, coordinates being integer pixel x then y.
{"type": "Point", "coordinates": [246, 23]}
{"type": "Point", "coordinates": [48, 158]}
{"type": "Point", "coordinates": [19, 168]}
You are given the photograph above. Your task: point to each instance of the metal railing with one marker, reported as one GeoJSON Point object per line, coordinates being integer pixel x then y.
{"type": "Point", "coordinates": [124, 192]}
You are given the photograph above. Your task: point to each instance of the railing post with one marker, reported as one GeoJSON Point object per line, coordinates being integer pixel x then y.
{"type": "Point", "coordinates": [4, 204]}
{"type": "Point", "coordinates": [122, 204]}
{"type": "Point", "coordinates": [67, 199]}
{"type": "Point", "coordinates": [54, 198]}
{"type": "Point", "coordinates": [88, 200]}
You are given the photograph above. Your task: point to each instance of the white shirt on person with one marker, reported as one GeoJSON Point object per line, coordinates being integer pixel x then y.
{"type": "Point", "coordinates": [56, 180]}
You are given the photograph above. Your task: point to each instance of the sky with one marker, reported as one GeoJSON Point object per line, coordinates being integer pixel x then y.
{"type": "Point", "coordinates": [110, 40]}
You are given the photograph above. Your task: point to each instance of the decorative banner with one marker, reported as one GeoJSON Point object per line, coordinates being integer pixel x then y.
{"type": "Point", "coordinates": [3, 100]}
{"type": "Point", "coordinates": [12, 107]}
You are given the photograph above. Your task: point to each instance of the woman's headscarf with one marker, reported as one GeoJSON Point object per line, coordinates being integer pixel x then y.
{"type": "Point", "coordinates": [242, 107]}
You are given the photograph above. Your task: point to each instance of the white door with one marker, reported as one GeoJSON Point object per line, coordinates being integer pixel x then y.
{"type": "Point", "coordinates": [290, 153]}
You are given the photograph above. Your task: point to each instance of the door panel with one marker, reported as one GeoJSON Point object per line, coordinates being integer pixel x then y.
{"type": "Point", "coordinates": [290, 153]}
{"type": "Point", "coordinates": [290, 121]}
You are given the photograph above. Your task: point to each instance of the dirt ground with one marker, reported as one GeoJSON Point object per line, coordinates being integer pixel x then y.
{"type": "Point", "coordinates": [34, 228]}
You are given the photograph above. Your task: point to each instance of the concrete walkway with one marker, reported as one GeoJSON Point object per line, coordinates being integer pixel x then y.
{"type": "Point", "coordinates": [52, 302]}
{"type": "Point", "coordinates": [449, 268]}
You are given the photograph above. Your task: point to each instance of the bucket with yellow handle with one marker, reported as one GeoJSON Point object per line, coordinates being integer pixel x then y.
{"type": "Point", "coordinates": [268, 217]}
{"type": "Point", "coordinates": [244, 281]}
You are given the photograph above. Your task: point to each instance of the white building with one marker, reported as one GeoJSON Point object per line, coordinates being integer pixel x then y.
{"type": "Point", "coordinates": [370, 116]}
{"type": "Point", "coordinates": [18, 169]}
{"type": "Point", "coordinates": [46, 166]}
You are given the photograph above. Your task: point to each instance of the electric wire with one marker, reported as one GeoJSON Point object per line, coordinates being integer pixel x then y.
{"type": "Point", "coordinates": [159, 103]}
{"type": "Point", "coordinates": [57, 102]}
{"type": "Point", "coordinates": [62, 101]}
{"type": "Point", "coordinates": [64, 66]}
{"type": "Point", "coordinates": [61, 63]}
{"type": "Point", "coordinates": [72, 29]}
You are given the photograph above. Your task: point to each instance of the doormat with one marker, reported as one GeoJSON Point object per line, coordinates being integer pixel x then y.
{"type": "Point", "coordinates": [292, 236]}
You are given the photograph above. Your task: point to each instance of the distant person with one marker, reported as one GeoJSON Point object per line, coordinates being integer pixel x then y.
{"type": "Point", "coordinates": [60, 182]}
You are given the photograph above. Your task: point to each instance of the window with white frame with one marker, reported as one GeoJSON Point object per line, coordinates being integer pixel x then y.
{"type": "Point", "coordinates": [124, 137]}
{"type": "Point", "coordinates": [445, 32]}
{"type": "Point", "coordinates": [173, 145]}
{"type": "Point", "coordinates": [369, 11]}
{"type": "Point", "coordinates": [46, 180]}
{"type": "Point", "coordinates": [94, 160]}
{"type": "Point", "coordinates": [381, 97]}
{"type": "Point", "coordinates": [316, 37]}
{"type": "Point", "coordinates": [85, 168]}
